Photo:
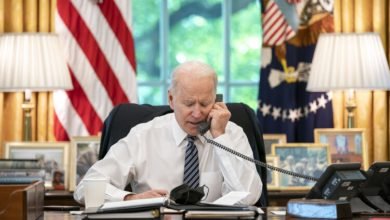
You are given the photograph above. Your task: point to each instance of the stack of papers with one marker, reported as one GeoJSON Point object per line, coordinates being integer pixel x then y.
{"type": "Point", "coordinates": [130, 205]}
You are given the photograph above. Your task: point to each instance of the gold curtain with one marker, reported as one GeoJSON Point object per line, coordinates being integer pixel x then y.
{"type": "Point", "coordinates": [26, 16]}
{"type": "Point", "coordinates": [372, 112]}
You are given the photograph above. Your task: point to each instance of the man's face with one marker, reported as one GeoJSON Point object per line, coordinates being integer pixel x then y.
{"type": "Point", "coordinates": [192, 100]}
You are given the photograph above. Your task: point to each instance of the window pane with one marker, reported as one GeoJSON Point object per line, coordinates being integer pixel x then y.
{"type": "Point", "coordinates": [196, 32]}
{"type": "Point", "coordinates": [150, 95]}
{"type": "Point", "coordinates": [245, 94]}
{"type": "Point", "coordinates": [246, 41]}
{"type": "Point", "coordinates": [221, 90]}
{"type": "Point", "coordinates": [146, 16]}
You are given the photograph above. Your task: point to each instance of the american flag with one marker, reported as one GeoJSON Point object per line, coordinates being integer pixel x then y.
{"type": "Point", "coordinates": [99, 48]}
{"type": "Point", "coordinates": [279, 21]}
{"type": "Point", "coordinates": [275, 27]}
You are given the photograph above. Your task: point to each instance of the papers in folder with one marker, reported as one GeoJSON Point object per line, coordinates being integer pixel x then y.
{"type": "Point", "coordinates": [213, 211]}
{"type": "Point", "coordinates": [220, 214]}
{"type": "Point", "coordinates": [131, 209]}
{"type": "Point", "coordinates": [148, 214]}
{"type": "Point", "coordinates": [151, 208]}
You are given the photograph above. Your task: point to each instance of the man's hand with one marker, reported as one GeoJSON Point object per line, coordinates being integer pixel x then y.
{"type": "Point", "coordinates": [219, 116]}
{"type": "Point", "coordinates": [154, 193]}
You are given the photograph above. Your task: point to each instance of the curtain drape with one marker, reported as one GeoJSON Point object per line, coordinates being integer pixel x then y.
{"type": "Point", "coordinates": [26, 16]}
{"type": "Point", "coordinates": [372, 112]}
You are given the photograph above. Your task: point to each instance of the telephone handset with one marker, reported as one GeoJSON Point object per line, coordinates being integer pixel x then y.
{"type": "Point", "coordinates": [204, 126]}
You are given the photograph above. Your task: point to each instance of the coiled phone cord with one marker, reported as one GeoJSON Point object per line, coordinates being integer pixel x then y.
{"type": "Point", "coordinates": [277, 169]}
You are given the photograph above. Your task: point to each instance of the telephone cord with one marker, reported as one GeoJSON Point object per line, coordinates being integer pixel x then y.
{"type": "Point", "coordinates": [277, 169]}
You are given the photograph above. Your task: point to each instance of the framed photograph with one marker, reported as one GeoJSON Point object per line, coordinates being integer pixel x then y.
{"type": "Point", "coordinates": [303, 158]}
{"type": "Point", "coordinates": [272, 176]}
{"type": "Point", "coordinates": [53, 156]}
{"type": "Point", "coordinates": [345, 145]}
{"type": "Point", "coordinates": [270, 139]}
{"type": "Point", "coordinates": [84, 153]}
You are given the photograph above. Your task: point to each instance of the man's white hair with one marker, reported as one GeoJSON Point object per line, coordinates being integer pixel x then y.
{"type": "Point", "coordinates": [194, 67]}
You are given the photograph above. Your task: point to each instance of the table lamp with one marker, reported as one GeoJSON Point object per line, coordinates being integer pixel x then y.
{"type": "Point", "coordinates": [32, 62]}
{"type": "Point", "coordinates": [349, 61]}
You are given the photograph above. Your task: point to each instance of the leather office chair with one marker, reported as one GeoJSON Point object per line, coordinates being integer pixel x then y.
{"type": "Point", "coordinates": [125, 116]}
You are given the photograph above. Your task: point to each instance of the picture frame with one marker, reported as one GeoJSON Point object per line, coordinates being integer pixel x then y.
{"type": "Point", "coordinates": [84, 153]}
{"type": "Point", "coordinates": [310, 159]}
{"type": "Point", "coordinates": [272, 176]}
{"type": "Point", "coordinates": [54, 157]}
{"type": "Point", "coordinates": [270, 139]}
{"type": "Point", "coordinates": [345, 144]}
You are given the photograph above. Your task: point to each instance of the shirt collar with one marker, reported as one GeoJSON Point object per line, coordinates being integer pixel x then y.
{"type": "Point", "coordinates": [180, 135]}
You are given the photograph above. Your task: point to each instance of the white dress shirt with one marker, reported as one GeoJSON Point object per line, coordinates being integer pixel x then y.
{"type": "Point", "coordinates": [152, 156]}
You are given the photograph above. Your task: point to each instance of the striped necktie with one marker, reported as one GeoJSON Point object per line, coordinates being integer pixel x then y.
{"type": "Point", "coordinates": [191, 165]}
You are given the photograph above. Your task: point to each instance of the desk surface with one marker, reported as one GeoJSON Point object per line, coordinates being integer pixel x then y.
{"type": "Point", "coordinates": [59, 215]}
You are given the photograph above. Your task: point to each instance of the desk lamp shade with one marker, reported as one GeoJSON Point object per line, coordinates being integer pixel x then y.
{"type": "Point", "coordinates": [345, 61]}
{"type": "Point", "coordinates": [32, 61]}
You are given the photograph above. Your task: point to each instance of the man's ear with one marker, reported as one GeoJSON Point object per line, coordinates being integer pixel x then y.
{"type": "Point", "coordinates": [170, 99]}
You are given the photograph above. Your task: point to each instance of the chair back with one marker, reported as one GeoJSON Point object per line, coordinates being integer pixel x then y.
{"type": "Point", "coordinates": [125, 116]}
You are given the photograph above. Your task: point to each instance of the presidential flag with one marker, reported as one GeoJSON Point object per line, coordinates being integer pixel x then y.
{"type": "Point", "coordinates": [290, 32]}
{"type": "Point", "coordinates": [99, 48]}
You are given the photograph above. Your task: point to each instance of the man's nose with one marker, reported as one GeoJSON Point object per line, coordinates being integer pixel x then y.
{"type": "Point", "coordinates": [197, 111]}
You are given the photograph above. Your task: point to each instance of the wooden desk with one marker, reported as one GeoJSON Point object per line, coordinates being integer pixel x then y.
{"type": "Point", "coordinates": [59, 198]}
{"type": "Point", "coordinates": [275, 198]}
{"type": "Point", "coordinates": [280, 198]}
{"type": "Point", "coordinates": [21, 201]}
{"type": "Point", "coordinates": [57, 215]}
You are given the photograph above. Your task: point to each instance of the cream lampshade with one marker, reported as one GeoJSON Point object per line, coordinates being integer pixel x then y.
{"type": "Point", "coordinates": [32, 62]}
{"type": "Point", "coordinates": [349, 61]}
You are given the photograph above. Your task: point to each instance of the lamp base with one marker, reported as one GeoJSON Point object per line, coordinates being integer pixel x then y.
{"type": "Point", "coordinates": [27, 107]}
{"type": "Point", "coordinates": [351, 117]}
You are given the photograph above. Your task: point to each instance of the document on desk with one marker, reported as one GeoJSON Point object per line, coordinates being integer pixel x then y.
{"type": "Point", "coordinates": [231, 198]}
{"type": "Point", "coordinates": [129, 204]}
{"type": "Point", "coordinates": [131, 209]}
{"type": "Point", "coordinates": [223, 208]}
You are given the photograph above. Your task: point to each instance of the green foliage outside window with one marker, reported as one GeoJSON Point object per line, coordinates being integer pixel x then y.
{"type": "Point", "coordinates": [196, 32]}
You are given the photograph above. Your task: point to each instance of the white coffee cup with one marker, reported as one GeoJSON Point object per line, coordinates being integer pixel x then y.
{"type": "Point", "coordinates": [94, 192]}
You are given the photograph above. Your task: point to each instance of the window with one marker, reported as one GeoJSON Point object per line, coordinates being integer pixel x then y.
{"type": "Point", "coordinates": [224, 33]}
